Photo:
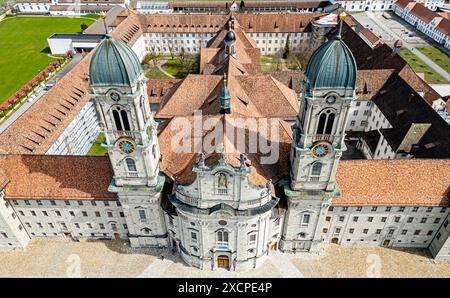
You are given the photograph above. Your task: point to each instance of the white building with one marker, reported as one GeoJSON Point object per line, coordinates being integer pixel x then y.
{"type": "Point", "coordinates": [425, 20]}
{"type": "Point", "coordinates": [68, 7]}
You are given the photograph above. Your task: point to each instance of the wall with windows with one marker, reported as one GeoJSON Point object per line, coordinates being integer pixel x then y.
{"type": "Point", "coordinates": [358, 115]}
{"type": "Point", "coordinates": [79, 135]}
{"type": "Point", "coordinates": [95, 219]}
{"type": "Point", "coordinates": [440, 245]}
{"type": "Point", "coordinates": [13, 235]}
{"type": "Point", "coordinates": [391, 226]}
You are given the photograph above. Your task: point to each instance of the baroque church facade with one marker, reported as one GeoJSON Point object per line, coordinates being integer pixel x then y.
{"type": "Point", "coordinates": [226, 207]}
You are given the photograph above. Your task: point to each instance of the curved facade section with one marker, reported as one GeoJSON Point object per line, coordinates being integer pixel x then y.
{"type": "Point", "coordinates": [223, 220]}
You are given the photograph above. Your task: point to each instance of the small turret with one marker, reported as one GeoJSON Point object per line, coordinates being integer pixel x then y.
{"type": "Point", "coordinates": [225, 98]}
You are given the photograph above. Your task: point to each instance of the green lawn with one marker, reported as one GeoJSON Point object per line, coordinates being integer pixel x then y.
{"type": "Point", "coordinates": [270, 64]}
{"type": "Point", "coordinates": [438, 57]}
{"type": "Point", "coordinates": [97, 149]}
{"type": "Point", "coordinates": [176, 68]}
{"type": "Point", "coordinates": [24, 48]}
{"type": "Point", "coordinates": [155, 73]}
{"type": "Point", "coordinates": [420, 67]}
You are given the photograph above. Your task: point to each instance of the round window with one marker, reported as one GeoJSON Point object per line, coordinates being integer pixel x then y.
{"type": "Point", "coordinates": [222, 222]}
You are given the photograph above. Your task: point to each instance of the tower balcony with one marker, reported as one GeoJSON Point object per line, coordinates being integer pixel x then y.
{"type": "Point", "coordinates": [125, 133]}
{"type": "Point", "coordinates": [323, 137]}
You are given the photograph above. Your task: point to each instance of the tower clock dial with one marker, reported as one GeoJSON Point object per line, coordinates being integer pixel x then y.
{"type": "Point", "coordinates": [331, 99]}
{"type": "Point", "coordinates": [115, 96]}
{"type": "Point", "coordinates": [126, 146]}
{"type": "Point", "coordinates": [320, 150]}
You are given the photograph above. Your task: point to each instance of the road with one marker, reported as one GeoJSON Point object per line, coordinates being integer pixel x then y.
{"type": "Point", "coordinates": [410, 47]}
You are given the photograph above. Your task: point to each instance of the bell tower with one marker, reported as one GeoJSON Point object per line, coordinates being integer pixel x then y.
{"type": "Point", "coordinates": [318, 141]}
{"type": "Point", "coordinates": [120, 94]}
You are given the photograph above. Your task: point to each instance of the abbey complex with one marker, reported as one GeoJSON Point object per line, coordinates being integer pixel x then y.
{"type": "Point", "coordinates": [177, 173]}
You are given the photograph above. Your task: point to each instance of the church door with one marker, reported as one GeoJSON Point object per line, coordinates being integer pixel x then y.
{"type": "Point", "coordinates": [335, 240]}
{"type": "Point", "coordinates": [223, 262]}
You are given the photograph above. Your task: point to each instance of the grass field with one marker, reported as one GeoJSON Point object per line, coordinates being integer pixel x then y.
{"type": "Point", "coordinates": [97, 149]}
{"type": "Point", "coordinates": [419, 66]}
{"type": "Point", "coordinates": [24, 47]}
{"type": "Point", "coordinates": [438, 57]}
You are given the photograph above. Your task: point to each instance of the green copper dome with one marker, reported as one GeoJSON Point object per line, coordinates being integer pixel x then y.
{"type": "Point", "coordinates": [114, 63]}
{"type": "Point", "coordinates": [332, 65]}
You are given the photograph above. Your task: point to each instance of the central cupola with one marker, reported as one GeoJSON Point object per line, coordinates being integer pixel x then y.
{"type": "Point", "coordinates": [114, 63]}
{"type": "Point", "coordinates": [332, 65]}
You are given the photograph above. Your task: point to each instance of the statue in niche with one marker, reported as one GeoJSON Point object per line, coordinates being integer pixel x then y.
{"type": "Point", "coordinates": [221, 180]}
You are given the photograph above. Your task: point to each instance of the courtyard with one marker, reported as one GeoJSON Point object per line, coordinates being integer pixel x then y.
{"type": "Point", "coordinates": [24, 49]}
{"type": "Point", "coordinates": [65, 258]}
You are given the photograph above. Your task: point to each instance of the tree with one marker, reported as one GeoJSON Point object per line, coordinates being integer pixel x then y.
{"type": "Point", "coordinates": [83, 26]}
{"type": "Point", "coordinates": [287, 49]}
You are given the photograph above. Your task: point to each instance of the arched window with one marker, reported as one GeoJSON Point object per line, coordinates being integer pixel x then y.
{"type": "Point", "coordinates": [117, 120]}
{"type": "Point", "coordinates": [222, 237]}
{"type": "Point", "coordinates": [121, 119]}
{"type": "Point", "coordinates": [316, 169]}
{"type": "Point", "coordinates": [126, 124]}
{"type": "Point", "coordinates": [326, 121]}
{"type": "Point", "coordinates": [131, 165]}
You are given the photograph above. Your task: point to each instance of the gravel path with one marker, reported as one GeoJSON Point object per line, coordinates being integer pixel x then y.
{"type": "Point", "coordinates": [64, 258]}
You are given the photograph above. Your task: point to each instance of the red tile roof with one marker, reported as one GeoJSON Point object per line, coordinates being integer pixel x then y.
{"type": "Point", "coordinates": [56, 177]}
{"type": "Point", "coordinates": [393, 182]}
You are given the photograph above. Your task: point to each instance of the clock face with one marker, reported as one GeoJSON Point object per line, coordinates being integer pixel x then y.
{"type": "Point", "coordinates": [320, 150]}
{"type": "Point", "coordinates": [115, 96]}
{"type": "Point", "coordinates": [331, 99]}
{"type": "Point", "coordinates": [126, 146]}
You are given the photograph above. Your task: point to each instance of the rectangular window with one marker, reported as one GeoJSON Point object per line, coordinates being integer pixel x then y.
{"type": "Point", "coordinates": [328, 218]}
{"type": "Point", "coordinates": [33, 213]}
{"type": "Point", "coordinates": [351, 231]}
{"type": "Point", "coordinates": [359, 208]}
{"type": "Point", "coordinates": [341, 218]}
{"type": "Point", "coordinates": [325, 230]}
{"type": "Point", "coordinates": [370, 219]}
{"type": "Point", "coordinates": [355, 218]}
{"type": "Point", "coordinates": [344, 209]}
{"type": "Point", "coordinates": [404, 232]}
{"type": "Point", "coordinates": [252, 238]}
{"type": "Point", "coordinates": [58, 213]}
{"type": "Point", "coordinates": [410, 219]}
{"type": "Point", "coordinates": [305, 219]}
{"type": "Point", "coordinates": [401, 209]}
{"type": "Point", "coordinates": [106, 203]}
{"type": "Point", "coordinates": [52, 202]}
{"type": "Point", "coordinates": [93, 203]}
{"type": "Point", "coordinates": [121, 214]}
{"type": "Point", "coordinates": [39, 202]}
{"type": "Point", "coordinates": [84, 213]}
{"type": "Point", "coordinates": [27, 202]}
{"type": "Point", "coordinates": [391, 231]}
{"type": "Point", "coordinates": [423, 220]}
{"type": "Point", "coordinates": [102, 226]}
{"type": "Point", "coordinates": [374, 209]}
{"type": "Point", "coordinates": [77, 225]}
{"type": "Point", "coordinates": [80, 203]}
{"type": "Point", "coordinates": [429, 209]}
{"type": "Point", "coordinates": [388, 209]}
{"type": "Point", "coordinates": [383, 219]}
{"type": "Point", "coordinates": [97, 214]}
{"type": "Point", "coordinates": [142, 216]}
{"type": "Point", "coordinates": [430, 232]}
{"type": "Point", "coordinates": [397, 219]}
{"type": "Point", "coordinates": [110, 214]}
{"type": "Point", "coordinates": [67, 203]}
{"type": "Point", "coordinates": [415, 209]}
{"type": "Point", "coordinates": [378, 231]}
{"type": "Point", "coordinates": [45, 213]}
{"type": "Point", "coordinates": [417, 232]}
{"type": "Point", "coordinates": [365, 231]}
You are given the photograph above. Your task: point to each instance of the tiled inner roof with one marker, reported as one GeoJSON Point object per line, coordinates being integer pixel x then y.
{"type": "Point", "coordinates": [56, 177]}
{"type": "Point", "coordinates": [393, 182]}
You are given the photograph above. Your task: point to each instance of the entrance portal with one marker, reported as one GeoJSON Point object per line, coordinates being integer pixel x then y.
{"type": "Point", "coordinates": [223, 262]}
{"type": "Point", "coordinates": [335, 240]}
{"type": "Point", "coordinates": [274, 246]}
{"type": "Point", "coordinates": [386, 242]}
